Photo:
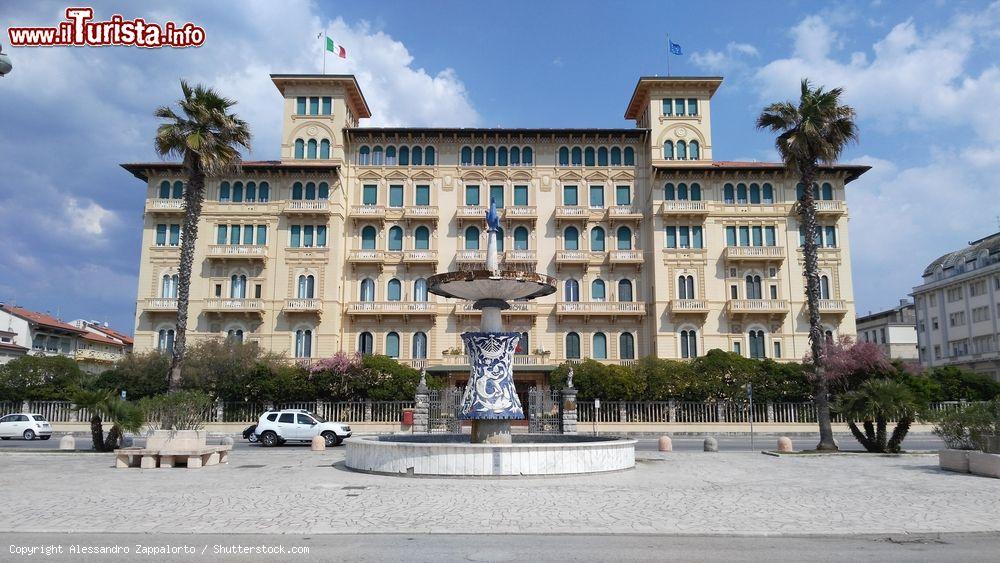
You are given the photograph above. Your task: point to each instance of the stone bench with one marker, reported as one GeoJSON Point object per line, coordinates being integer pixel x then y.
{"type": "Point", "coordinates": [151, 459]}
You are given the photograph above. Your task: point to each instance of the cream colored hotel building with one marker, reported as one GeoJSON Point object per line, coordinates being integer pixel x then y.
{"type": "Point", "coordinates": [658, 249]}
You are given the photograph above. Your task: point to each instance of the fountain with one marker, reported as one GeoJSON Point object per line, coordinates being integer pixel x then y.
{"type": "Point", "coordinates": [490, 400]}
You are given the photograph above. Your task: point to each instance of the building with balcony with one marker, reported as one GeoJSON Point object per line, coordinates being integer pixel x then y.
{"type": "Point", "coordinates": [100, 346]}
{"type": "Point", "coordinates": [658, 248]}
{"type": "Point", "coordinates": [38, 334]}
{"type": "Point", "coordinates": [894, 330]}
{"type": "Point", "coordinates": [958, 309]}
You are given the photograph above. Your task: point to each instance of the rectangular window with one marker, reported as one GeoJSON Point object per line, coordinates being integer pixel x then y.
{"type": "Point", "coordinates": [218, 290]}
{"type": "Point", "coordinates": [496, 194]}
{"type": "Point", "coordinates": [248, 234]}
{"type": "Point", "coordinates": [423, 194]}
{"type": "Point", "coordinates": [321, 235]}
{"type": "Point", "coordinates": [396, 195]}
{"type": "Point", "coordinates": [314, 106]}
{"type": "Point", "coordinates": [831, 236]}
{"type": "Point", "coordinates": [257, 290]}
{"type": "Point", "coordinates": [261, 235]}
{"type": "Point", "coordinates": [758, 238]}
{"type": "Point", "coordinates": [769, 236]}
{"type": "Point", "coordinates": [734, 292]}
{"type": "Point", "coordinates": [671, 237]}
{"type": "Point", "coordinates": [471, 195]}
{"type": "Point", "coordinates": [570, 196]}
{"type": "Point", "coordinates": [175, 235]}
{"type": "Point", "coordinates": [685, 237]}
{"type": "Point", "coordinates": [623, 195]}
{"type": "Point", "coordinates": [369, 194]}
{"type": "Point", "coordinates": [730, 236]}
{"type": "Point", "coordinates": [300, 105]}
{"type": "Point", "coordinates": [737, 349]}
{"type": "Point", "coordinates": [234, 234]}
{"type": "Point", "coordinates": [668, 106]}
{"type": "Point", "coordinates": [697, 241]}
{"type": "Point", "coordinates": [597, 196]}
{"type": "Point", "coordinates": [296, 236]}
{"type": "Point", "coordinates": [744, 236]}
{"type": "Point", "coordinates": [777, 349]}
{"type": "Point", "coordinates": [774, 291]}
{"type": "Point", "coordinates": [221, 232]}
{"type": "Point", "coordinates": [327, 105]}
{"type": "Point", "coordinates": [679, 106]}
{"type": "Point", "coordinates": [161, 234]}
{"type": "Point", "coordinates": [307, 236]}
{"type": "Point", "coordinates": [520, 195]}
{"type": "Point", "coordinates": [692, 106]}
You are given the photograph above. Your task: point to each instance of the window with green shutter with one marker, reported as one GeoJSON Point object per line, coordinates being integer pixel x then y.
{"type": "Point", "coordinates": [597, 196]}
{"type": "Point", "coordinates": [472, 195]}
{"type": "Point", "coordinates": [496, 195]}
{"type": "Point", "coordinates": [369, 194]}
{"type": "Point", "coordinates": [423, 194]}
{"type": "Point", "coordinates": [296, 236]}
{"type": "Point", "coordinates": [623, 195]}
{"type": "Point", "coordinates": [520, 195]}
{"type": "Point", "coordinates": [570, 196]}
{"type": "Point", "coordinates": [396, 195]}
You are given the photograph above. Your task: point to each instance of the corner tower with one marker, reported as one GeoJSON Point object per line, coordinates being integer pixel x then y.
{"type": "Point", "coordinates": [677, 110]}
{"type": "Point", "coordinates": [316, 110]}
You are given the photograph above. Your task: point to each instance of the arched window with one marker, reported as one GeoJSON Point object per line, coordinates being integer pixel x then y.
{"type": "Point", "coordinates": [754, 193]}
{"type": "Point", "coordinates": [829, 336]}
{"type": "Point", "coordinates": [624, 238]}
{"type": "Point", "coordinates": [768, 194]}
{"type": "Point", "coordinates": [522, 345]}
{"type": "Point", "coordinates": [576, 157]}
{"type": "Point", "coordinates": [729, 195]}
{"type": "Point", "coordinates": [235, 335]}
{"type": "Point", "coordinates": [626, 346]}
{"type": "Point", "coordinates": [392, 345]}
{"type": "Point", "coordinates": [300, 148]}
{"type": "Point", "coordinates": [741, 193]}
{"type": "Point", "coordinates": [502, 156]}
{"type": "Point", "coordinates": [429, 156]}
{"type": "Point", "coordinates": [364, 156]}
{"type": "Point", "coordinates": [571, 290]}
{"type": "Point", "coordinates": [563, 156]}
{"type": "Point", "coordinates": [366, 344]}
{"type": "Point", "coordinates": [824, 287]}
{"type": "Point", "coordinates": [418, 156]}
{"type": "Point", "coordinates": [571, 238]}
{"type": "Point", "coordinates": [527, 157]}
{"type": "Point", "coordinates": [164, 192]}
{"type": "Point", "coordinates": [311, 149]}
{"type": "Point", "coordinates": [238, 287]}
{"type": "Point", "coordinates": [668, 191]}
{"type": "Point", "coordinates": [378, 156]}
{"type": "Point", "coordinates": [394, 290]}
{"type": "Point", "coordinates": [404, 156]}
{"type": "Point", "coordinates": [419, 346]}
{"type": "Point", "coordinates": [307, 287]}
{"type": "Point", "coordinates": [303, 343]}
{"type": "Point", "coordinates": [629, 156]}
{"type": "Point", "coordinates": [472, 238]}
{"type": "Point", "coordinates": [827, 191]}
{"type": "Point", "coordinates": [572, 346]}
{"type": "Point", "coordinates": [625, 290]}
{"type": "Point", "coordinates": [323, 191]}
{"type": "Point", "coordinates": [600, 347]}
{"type": "Point", "coordinates": [466, 156]}
{"type": "Point", "coordinates": [310, 190]}
{"type": "Point", "coordinates": [324, 149]}
{"type": "Point", "coordinates": [237, 192]}
{"type": "Point", "coordinates": [602, 156]}
{"type": "Point", "coordinates": [168, 288]}
{"type": "Point", "coordinates": [682, 191]}
{"type": "Point", "coordinates": [681, 150]}
{"type": "Point", "coordinates": [694, 150]}
{"type": "Point", "coordinates": [477, 156]}
{"type": "Point", "coordinates": [598, 290]}
{"type": "Point", "coordinates": [685, 287]}
{"type": "Point", "coordinates": [491, 156]}
{"type": "Point", "coordinates": [753, 287]}
{"type": "Point", "coordinates": [178, 191]}
{"type": "Point", "coordinates": [689, 344]}
{"type": "Point", "coordinates": [668, 150]}
{"type": "Point", "coordinates": [422, 238]}
{"type": "Point", "coordinates": [297, 190]}
{"type": "Point", "coordinates": [521, 238]}
{"type": "Point", "coordinates": [420, 290]}
{"type": "Point", "coordinates": [588, 157]}
{"type": "Point", "coordinates": [597, 237]}
{"type": "Point", "coordinates": [390, 156]}
{"type": "Point", "coordinates": [696, 192]}
{"type": "Point", "coordinates": [616, 156]}
{"type": "Point", "coordinates": [757, 347]}
{"type": "Point", "coordinates": [368, 290]}
{"type": "Point", "coordinates": [395, 238]}
{"type": "Point", "coordinates": [515, 156]}
{"type": "Point", "coordinates": [165, 343]}
{"type": "Point", "coordinates": [251, 191]}
{"type": "Point", "coordinates": [368, 235]}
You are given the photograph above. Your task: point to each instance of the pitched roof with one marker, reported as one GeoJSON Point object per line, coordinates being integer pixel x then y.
{"type": "Point", "coordinates": [114, 333]}
{"type": "Point", "coordinates": [13, 347]}
{"type": "Point", "coordinates": [40, 318]}
{"type": "Point", "coordinates": [141, 169]}
{"type": "Point", "coordinates": [990, 246]}
{"type": "Point", "coordinates": [853, 171]}
{"type": "Point", "coordinates": [102, 338]}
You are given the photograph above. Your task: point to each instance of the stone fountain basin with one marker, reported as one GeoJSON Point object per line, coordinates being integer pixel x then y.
{"type": "Point", "coordinates": [484, 284]}
{"type": "Point", "coordinates": [451, 455]}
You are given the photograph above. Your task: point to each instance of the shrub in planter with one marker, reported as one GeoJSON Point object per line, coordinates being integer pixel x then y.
{"type": "Point", "coordinates": [874, 403]}
{"type": "Point", "coordinates": [180, 410]}
{"type": "Point", "coordinates": [970, 426]}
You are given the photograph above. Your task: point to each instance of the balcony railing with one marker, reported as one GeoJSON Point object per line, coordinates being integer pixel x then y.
{"type": "Point", "coordinates": [159, 205]}
{"type": "Point", "coordinates": [589, 308]}
{"type": "Point", "coordinates": [102, 356]}
{"type": "Point", "coordinates": [161, 304]}
{"type": "Point", "coordinates": [367, 212]}
{"type": "Point", "coordinates": [234, 305]}
{"type": "Point", "coordinates": [684, 208]}
{"type": "Point", "coordinates": [470, 256]}
{"type": "Point", "coordinates": [828, 207]}
{"type": "Point", "coordinates": [471, 212]}
{"type": "Point", "coordinates": [303, 305]}
{"type": "Point", "coordinates": [624, 212]}
{"type": "Point", "coordinates": [306, 207]}
{"type": "Point", "coordinates": [521, 257]}
{"type": "Point", "coordinates": [572, 212]}
{"type": "Point", "coordinates": [767, 306]}
{"type": "Point", "coordinates": [391, 308]}
{"type": "Point", "coordinates": [688, 306]}
{"type": "Point", "coordinates": [521, 212]}
{"type": "Point", "coordinates": [420, 256]}
{"type": "Point", "coordinates": [578, 257]}
{"type": "Point", "coordinates": [626, 257]}
{"type": "Point", "coordinates": [832, 306]}
{"type": "Point", "coordinates": [516, 308]}
{"type": "Point", "coordinates": [366, 256]}
{"type": "Point", "coordinates": [519, 360]}
{"type": "Point", "coordinates": [420, 212]}
{"type": "Point", "coordinates": [252, 251]}
{"type": "Point", "coordinates": [755, 253]}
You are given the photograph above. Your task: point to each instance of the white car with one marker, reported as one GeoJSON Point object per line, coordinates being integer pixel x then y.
{"type": "Point", "coordinates": [297, 425]}
{"type": "Point", "coordinates": [25, 425]}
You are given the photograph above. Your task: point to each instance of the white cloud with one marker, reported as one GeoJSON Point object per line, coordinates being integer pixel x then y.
{"type": "Point", "coordinates": [730, 60]}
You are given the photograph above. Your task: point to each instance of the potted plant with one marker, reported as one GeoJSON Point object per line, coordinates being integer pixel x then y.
{"type": "Point", "coordinates": [176, 420]}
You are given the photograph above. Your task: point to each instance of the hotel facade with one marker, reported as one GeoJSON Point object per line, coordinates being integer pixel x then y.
{"type": "Point", "coordinates": [659, 249]}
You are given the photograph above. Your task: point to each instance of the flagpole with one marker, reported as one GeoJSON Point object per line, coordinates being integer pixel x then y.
{"type": "Point", "coordinates": [668, 55]}
{"type": "Point", "coordinates": [324, 53]}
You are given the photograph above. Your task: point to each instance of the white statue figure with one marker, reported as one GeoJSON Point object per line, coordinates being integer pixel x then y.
{"type": "Point", "coordinates": [569, 379]}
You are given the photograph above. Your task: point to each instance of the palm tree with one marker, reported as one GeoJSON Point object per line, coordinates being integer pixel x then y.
{"type": "Point", "coordinates": [811, 133]}
{"type": "Point", "coordinates": [104, 406]}
{"type": "Point", "coordinates": [207, 139]}
{"type": "Point", "coordinates": [874, 404]}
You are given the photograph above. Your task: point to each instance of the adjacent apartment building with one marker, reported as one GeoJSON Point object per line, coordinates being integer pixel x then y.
{"type": "Point", "coordinates": [95, 346]}
{"type": "Point", "coordinates": [894, 330]}
{"type": "Point", "coordinates": [658, 248]}
{"type": "Point", "coordinates": [958, 309]}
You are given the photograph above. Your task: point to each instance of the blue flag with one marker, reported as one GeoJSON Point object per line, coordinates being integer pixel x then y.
{"type": "Point", "coordinates": [675, 49]}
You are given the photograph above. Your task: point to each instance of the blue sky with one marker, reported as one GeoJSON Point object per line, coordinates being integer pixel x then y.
{"type": "Point", "coordinates": [922, 75]}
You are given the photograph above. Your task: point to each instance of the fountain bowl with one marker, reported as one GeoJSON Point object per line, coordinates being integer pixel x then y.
{"type": "Point", "coordinates": [451, 455]}
{"type": "Point", "coordinates": [484, 284]}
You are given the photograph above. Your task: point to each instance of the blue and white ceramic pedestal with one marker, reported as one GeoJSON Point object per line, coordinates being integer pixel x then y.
{"type": "Point", "coordinates": [490, 399]}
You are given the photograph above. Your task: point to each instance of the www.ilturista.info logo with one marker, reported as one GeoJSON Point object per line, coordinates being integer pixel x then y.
{"type": "Point", "coordinates": [79, 30]}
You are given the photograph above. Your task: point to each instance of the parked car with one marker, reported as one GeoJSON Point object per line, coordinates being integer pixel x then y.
{"type": "Point", "coordinates": [25, 425]}
{"type": "Point", "coordinates": [298, 425]}
{"type": "Point", "coordinates": [250, 434]}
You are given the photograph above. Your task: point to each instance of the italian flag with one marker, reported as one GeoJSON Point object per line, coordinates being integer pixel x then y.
{"type": "Point", "coordinates": [336, 49]}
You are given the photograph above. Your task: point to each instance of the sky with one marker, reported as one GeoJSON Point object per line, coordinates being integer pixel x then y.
{"type": "Point", "coordinates": [923, 77]}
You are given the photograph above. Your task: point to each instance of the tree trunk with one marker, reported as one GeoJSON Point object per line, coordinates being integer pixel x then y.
{"type": "Point", "coordinates": [114, 437]}
{"type": "Point", "coordinates": [194, 196]}
{"type": "Point", "coordinates": [807, 218]}
{"type": "Point", "coordinates": [861, 437]}
{"type": "Point", "coordinates": [898, 434]}
{"type": "Point", "coordinates": [880, 424]}
{"type": "Point", "coordinates": [97, 433]}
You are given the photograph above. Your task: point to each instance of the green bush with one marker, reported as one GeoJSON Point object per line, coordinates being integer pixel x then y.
{"type": "Point", "coordinates": [180, 410]}
{"type": "Point", "coordinates": [140, 375]}
{"type": "Point", "coordinates": [40, 378]}
{"type": "Point", "coordinates": [966, 427]}
{"type": "Point", "coordinates": [956, 385]}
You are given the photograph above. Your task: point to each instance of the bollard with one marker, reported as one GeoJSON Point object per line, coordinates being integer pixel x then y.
{"type": "Point", "coordinates": [227, 441]}
{"type": "Point", "coordinates": [318, 444]}
{"type": "Point", "coordinates": [785, 444]}
{"type": "Point", "coordinates": [665, 444]}
{"type": "Point", "coordinates": [67, 442]}
{"type": "Point", "coordinates": [711, 445]}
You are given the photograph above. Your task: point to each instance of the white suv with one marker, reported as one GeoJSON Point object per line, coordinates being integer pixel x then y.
{"type": "Point", "coordinates": [298, 425]}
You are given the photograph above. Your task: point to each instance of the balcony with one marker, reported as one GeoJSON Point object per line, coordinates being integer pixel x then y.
{"type": "Point", "coordinates": [689, 306]}
{"type": "Point", "coordinates": [413, 257]}
{"type": "Point", "coordinates": [234, 305]}
{"type": "Point", "coordinates": [572, 213]}
{"type": "Point", "coordinates": [519, 360]}
{"type": "Point", "coordinates": [684, 256]}
{"type": "Point", "coordinates": [421, 212]}
{"type": "Point", "coordinates": [578, 257]}
{"type": "Point", "coordinates": [757, 306]}
{"type": "Point", "coordinates": [165, 206]}
{"type": "Point", "coordinates": [392, 308]}
{"type": "Point", "coordinates": [829, 208]}
{"type": "Point", "coordinates": [755, 253]}
{"type": "Point", "coordinates": [624, 213]}
{"type": "Point", "coordinates": [626, 257]}
{"type": "Point", "coordinates": [306, 207]}
{"type": "Point", "coordinates": [156, 304]}
{"type": "Point", "coordinates": [517, 308]}
{"type": "Point", "coordinates": [682, 208]}
{"type": "Point", "coordinates": [303, 305]}
{"type": "Point", "coordinates": [587, 309]}
{"type": "Point", "coordinates": [369, 212]}
{"type": "Point", "coordinates": [521, 257]}
{"type": "Point", "coordinates": [366, 256]}
{"type": "Point", "coordinates": [98, 356]}
{"type": "Point", "coordinates": [520, 212]}
{"type": "Point", "coordinates": [237, 252]}
{"type": "Point", "coordinates": [471, 213]}
{"type": "Point", "coordinates": [832, 306]}
{"type": "Point", "coordinates": [470, 257]}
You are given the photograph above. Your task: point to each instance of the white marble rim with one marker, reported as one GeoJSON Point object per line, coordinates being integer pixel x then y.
{"type": "Point", "coordinates": [610, 443]}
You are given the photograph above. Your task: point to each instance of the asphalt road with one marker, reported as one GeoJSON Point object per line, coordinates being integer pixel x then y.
{"type": "Point", "coordinates": [449, 547]}
{"type": "Point", "coordinates": [681, 443]}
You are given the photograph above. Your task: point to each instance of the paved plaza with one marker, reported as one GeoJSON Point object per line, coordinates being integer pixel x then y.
{"type": "Point", "coordinates": [303, 492]}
